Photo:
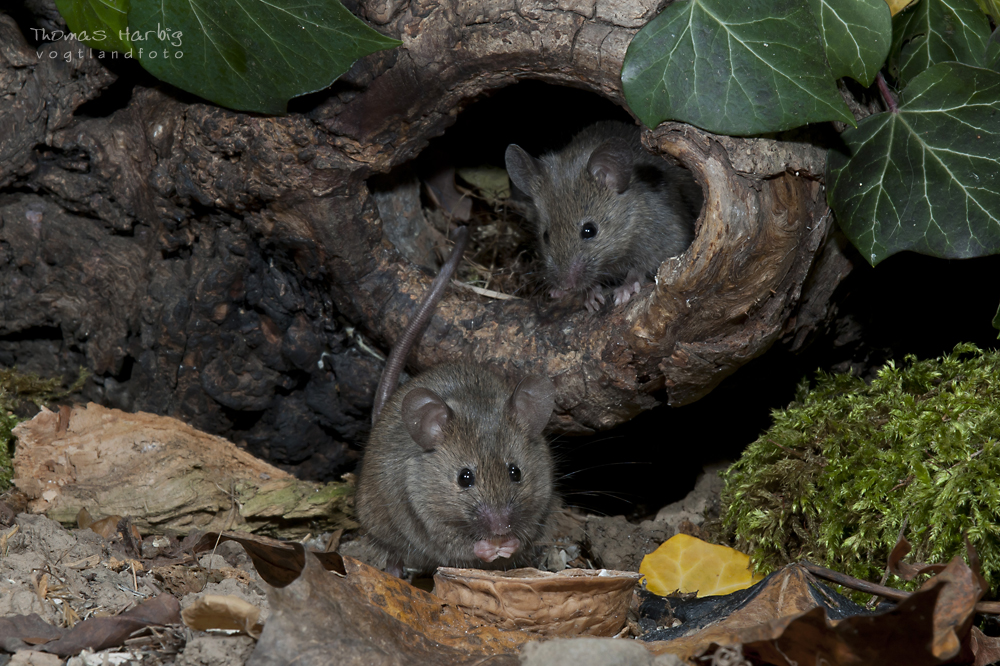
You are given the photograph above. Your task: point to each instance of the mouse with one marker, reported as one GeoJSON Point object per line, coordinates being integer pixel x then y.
{"type": "Point", "coordinates": [456, 471]}
{"type": "Point", "coordinates": [605, 211]}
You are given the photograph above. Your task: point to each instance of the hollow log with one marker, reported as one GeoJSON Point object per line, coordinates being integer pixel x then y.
{"type": "Point", "coordinates": [225, 268]}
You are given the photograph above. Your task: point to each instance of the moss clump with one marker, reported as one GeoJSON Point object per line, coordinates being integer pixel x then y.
{"type": "Point", "coordinates": [17, 388]}
{"type": "Point", "coordinates": [842, 468]}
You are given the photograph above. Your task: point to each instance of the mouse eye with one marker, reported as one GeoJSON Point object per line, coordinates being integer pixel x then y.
{"type": "Point", "coordinates": [588, 230]}
{"type": "Point", "coordinates": [514, 472]}
{"type": "Point", "coordinates": [545, 237]}
{"type": "Point", "coordinates": [466, 478]}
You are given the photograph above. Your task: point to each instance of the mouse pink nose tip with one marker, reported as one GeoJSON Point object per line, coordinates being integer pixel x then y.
{"type": "Point", "coordinates": [495, 520]}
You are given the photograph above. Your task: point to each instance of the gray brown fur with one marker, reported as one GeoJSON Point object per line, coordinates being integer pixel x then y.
{"type": "Point", "coordinates": [409, 499]}
{"type": "Point", "coordinates": [651, 219]}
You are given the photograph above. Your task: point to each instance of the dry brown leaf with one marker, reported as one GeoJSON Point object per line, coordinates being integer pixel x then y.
{"type": "Point", "coordinates": [367, 617]}
{"type": "Point", "coordinates": [956, 606]}
{"type": "Point", "coordinates": [96, 633]}
{"type": "Point", "coordinates": [908, 571]}
{"type": "Point", "coordinates": [929, 628]}
{"type": "Point", "coordinates": [215, 611]}
{"type": "Point", "coordinates": [109, 527]}
{"type": "Point", "coordinates": [985, 648]}
{"type": "Point", "coordinates": [895, 638]}
{"type": "Point", "coordinates": [83, 518]}
{"type": "Point", "coordinates": [278, 562]}
{"type": "Point", "coordinates": [573, 602]}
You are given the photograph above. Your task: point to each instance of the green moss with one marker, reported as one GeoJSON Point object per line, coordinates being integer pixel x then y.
{"type": "Point", "coordinates": [15, 389]}
{"type": "Point", "coordinates": [842, 468]}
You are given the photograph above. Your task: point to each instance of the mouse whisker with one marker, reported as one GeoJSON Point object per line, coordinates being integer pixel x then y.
{"type": "Point", "coordinates": [602, 466]}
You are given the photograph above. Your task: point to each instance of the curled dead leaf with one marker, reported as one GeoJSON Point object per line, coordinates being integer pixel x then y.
{"type": "Point", "coordinates": [574, 602]}
{"type": "Point", "coordinates": [215, 611]}
{"type": "Point", "coordinates": [905, 570]}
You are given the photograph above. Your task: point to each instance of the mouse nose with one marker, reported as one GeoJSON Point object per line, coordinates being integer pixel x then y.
{"type": "Point", "coordinates": [574, 274]}
{"type": "Point", "coordinates": [495, 520]}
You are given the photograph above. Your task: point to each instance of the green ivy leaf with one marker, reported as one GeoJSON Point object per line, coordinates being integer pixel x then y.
{"type": "Point", "coordinates": [732, 68]}
{"type": "Point", "coordinates": [934, 31]}
{"type": "Point", "coordinates": [250, 55]}
{"type": "Point", "coordinates": [100, 24]}
{"type": "Point", "coordinates": [927, 178]}
{"type": "Point", "coordinates": [857, 35]}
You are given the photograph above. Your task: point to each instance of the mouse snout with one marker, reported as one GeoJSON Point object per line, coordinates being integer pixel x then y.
{"type": "Point", "coordinates": [572, 277]}
{"type": "Point", "coordinates": [494, 520]}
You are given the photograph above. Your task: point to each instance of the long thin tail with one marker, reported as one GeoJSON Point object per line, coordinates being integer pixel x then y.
{"type": "Point", "coordinates": [397, 357]}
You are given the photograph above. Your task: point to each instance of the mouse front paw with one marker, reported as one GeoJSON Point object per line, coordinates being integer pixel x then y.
{"type": "Point", "coordinates": [626, 291]}
{"type": "Point", "coordinates": [490, 549]}
{"type": "Point", "coordinates": [595, 299]}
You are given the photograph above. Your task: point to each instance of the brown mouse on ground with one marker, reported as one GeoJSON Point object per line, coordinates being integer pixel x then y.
{"type": "Point", "coordinates": [456, 472]}
{"type": "Point", "coordinates": [605, 210]}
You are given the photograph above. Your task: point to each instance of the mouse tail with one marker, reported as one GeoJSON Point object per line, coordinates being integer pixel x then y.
{"type": "Point", "coordinates": [397, 357]}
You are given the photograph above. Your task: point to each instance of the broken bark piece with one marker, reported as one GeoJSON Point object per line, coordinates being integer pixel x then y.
{"type": "Point", "coordinates": [164, 474]}
{"type": "Point", "coordinates": [573, 602]}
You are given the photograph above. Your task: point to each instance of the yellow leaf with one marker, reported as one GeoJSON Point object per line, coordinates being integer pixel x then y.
{"type": "Point", "coordinates": [686, 564]}
{"type": "Point", "coordinates": [896, 6]}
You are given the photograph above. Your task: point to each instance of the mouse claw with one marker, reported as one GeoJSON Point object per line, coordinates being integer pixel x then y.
{"type": "Point", "coordinates": [595, 299]}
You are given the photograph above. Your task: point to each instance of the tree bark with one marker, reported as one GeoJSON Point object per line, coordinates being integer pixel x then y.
{"type": "Point", "coordinates": [218, 266]}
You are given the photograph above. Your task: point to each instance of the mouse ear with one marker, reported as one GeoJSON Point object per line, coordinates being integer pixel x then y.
{"type": "Point", "coordinates": [425, 415]}
{"type": "Point", "coordinates": [524, 170]}
{"type": "Point", "coordinates": [611, 164]}
{"type": "Point", "coordinates": [533, 401]}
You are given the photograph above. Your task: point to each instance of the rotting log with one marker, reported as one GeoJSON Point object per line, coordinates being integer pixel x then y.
{"type": "Point", "coordinates": [216, 266]}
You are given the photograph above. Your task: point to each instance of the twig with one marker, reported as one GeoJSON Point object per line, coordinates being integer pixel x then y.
{"type": "Point", "coordinates": [855, 583]}
{"type": "Point", "coordinates": [987, 607]}
{"type": "Point", "coordinates": [787, 450]}
{"type": "Point", "coordinates": [489, 293]}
